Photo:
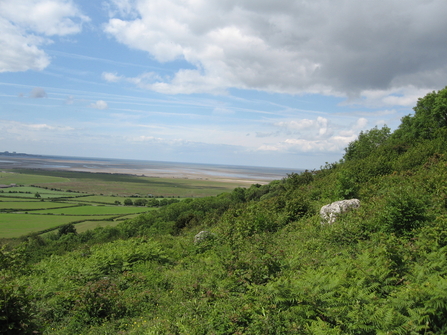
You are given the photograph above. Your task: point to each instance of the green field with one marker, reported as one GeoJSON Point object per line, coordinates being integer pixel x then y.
{"type": "Point", "coordinates": [15, 225]}
{"type": "Point", "coordinates": [96, 210]}
{"type": "Point", "coordinates": [31, 205]}
{"type": "Point", "coordinates": [88, 225]}
{"type": "Point", "coordinates": [101, 199]}
{"type": "Point", "coordinates": [11, 177]}
{"type": "Point", "coordinates": [30, 192]}
{"type": "Point", "coordinates": [12, 199]}
{"type": "Point", "coordinates": [122, 185]}
{"type": "Point", "coordinates": [85, 199]}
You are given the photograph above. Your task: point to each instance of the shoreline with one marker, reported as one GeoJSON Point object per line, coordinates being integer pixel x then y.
{"type": "Point", "coordinates": [245, 175]}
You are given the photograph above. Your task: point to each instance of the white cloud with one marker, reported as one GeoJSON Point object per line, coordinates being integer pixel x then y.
{"type": "Point", "coordinates": [111, 77]}
{"type": "Point", "coordinates": [49, 17]}
{"type": "Point", "coordinates": [351, 48]}
{"type": "Point", "coordinates": [25, 26]}
{"type": "Point", "coordinates": [318, 135]}
{"type": "Point", "coordinates": [268, 148]}
{"type": "Point", "coordinates": [317, 128]}
{"type": "Point", "coordinates": [38, 92]}
{"type": "Point", "coordinates": [406, 96]}
{"type": "Point", "coordinates": [144, 138]}
{"type": "Point", "coordinates": [30, 129]}
{"type": "Point", "coordinates": [100, 104]}
{"type": "Point", "coordinates": [47, 127]}
{"type": "Point", "coordinates": [20, 51]}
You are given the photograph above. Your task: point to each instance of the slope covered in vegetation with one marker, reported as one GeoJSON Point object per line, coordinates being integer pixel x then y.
{"type": "Point", "coordinates": [269, 266]}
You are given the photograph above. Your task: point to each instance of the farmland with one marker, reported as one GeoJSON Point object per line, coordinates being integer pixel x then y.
{"type": "Point", "coordinates": [43, 201]}
{"type": "Point", "coordinates": [118, 184]}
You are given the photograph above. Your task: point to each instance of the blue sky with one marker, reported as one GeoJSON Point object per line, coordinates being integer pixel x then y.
{"type": "Point", "coordinates": [264, 83]}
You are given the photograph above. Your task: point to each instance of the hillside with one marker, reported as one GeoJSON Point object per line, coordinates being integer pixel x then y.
{"type": "Point", "coordinates": [268, 265]}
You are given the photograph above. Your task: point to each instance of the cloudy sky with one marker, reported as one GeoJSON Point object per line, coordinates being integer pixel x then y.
{"type": "Point", "coordinates": [283, 83]}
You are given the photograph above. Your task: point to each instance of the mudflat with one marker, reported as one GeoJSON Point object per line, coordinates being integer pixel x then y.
{"type": "Point", "coordinates": [222, 173]}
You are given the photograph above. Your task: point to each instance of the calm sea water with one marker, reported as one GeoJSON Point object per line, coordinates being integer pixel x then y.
{"type": "Point", "coordinates": [140, 167]}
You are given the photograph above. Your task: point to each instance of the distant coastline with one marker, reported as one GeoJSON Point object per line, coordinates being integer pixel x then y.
{"type": "Point", "coordinates": [250, 174]}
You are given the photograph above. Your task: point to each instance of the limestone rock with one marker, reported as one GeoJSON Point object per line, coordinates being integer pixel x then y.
{"type": "Point", "coordinates": [203, 236]}
{"type": "Point", "coordinates": [330, 212]}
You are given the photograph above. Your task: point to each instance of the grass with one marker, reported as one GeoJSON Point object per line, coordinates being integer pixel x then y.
{"type": "Point", "coordinates": [90, 200]}
{"type": "Point", "coordinates": [89, 225]}
{"type": "Point", "coordinates": [23, 178]}
{"type": "Point", "coordinates": [11, 199]}
{"type": "Point", "coordinates": [125, 217]}
{"type": "Point", "coordinates": [15, 225]}
{"type": "Point", "coordinates": [125, 185]}
{"type": "Point", "coordinates": [29, 192]}
{"type": "Point", "coordinates": [101, 199]}
{"type": "Point", "coordinates": [32, 205]}
{"type": "Point", "coordinates": [96, 210]}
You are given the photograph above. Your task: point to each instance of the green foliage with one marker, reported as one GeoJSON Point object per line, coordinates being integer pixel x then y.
{"type": "Point", "coordinates": [140, 202]}
{"type": "Point", "coordinates": [404, 211]}
{"type": "Point", "coordinates": [16, 315]}
{"type": "Point", "coordinates": [430, 115]}
{"type": "Point", "coordinates": [295, 180]}
{"type": "Point", "coordinates": [367, 143]}
{"type": "Point", "coordinates": [98, 301]}
{"type": "Point", "coordinates": [238, 194]}
{"type": "Point", "coordinates": [346, 187]}
{"type": "Point", "coordinates": [66, 229]}
{"type": "Point", "coordinates": [271, 267]}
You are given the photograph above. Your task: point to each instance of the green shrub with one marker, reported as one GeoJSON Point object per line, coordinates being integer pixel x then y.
{"type": "Point", "coordinates": [405, 210]}
{"type": "Point", "coordinates": [347, 186]}
{"type": "Point", "coordinates": [98, 301]}
{"type": "Point", "coordinates": [67, 229]}
{"type": "Point", "coordinates": [15, 308]}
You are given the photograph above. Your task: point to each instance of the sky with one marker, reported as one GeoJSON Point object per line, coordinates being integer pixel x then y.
{"type": "Point", "coordinates": [279, 83]}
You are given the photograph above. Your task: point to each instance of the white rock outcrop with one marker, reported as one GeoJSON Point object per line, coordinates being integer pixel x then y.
{"type": "Point", "coordinates": [203, 236]}
{"type": "Point", "coordinates": [330, 212]}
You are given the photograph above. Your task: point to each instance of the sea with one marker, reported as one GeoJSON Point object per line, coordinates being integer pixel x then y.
{"type": "Point", "coordinates": [143, 167]}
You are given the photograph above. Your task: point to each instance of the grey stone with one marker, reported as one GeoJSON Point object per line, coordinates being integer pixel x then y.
{"type": "Point", "coordinates": [203, 236]}
{"type": "Point", "coordinates": [330, 212]}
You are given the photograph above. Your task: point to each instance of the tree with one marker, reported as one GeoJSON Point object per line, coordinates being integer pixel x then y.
{"type": "Point", "coordinates": [37, 195]}
{"type": "Point", "coordinates": [366, 143]}
{"type": "Point", "coordinates": [140, 202]}
{"type": "Point", "coordinates": [430, 115]}
{"type": "Point", "coordinates": [67, 229]}
{"type": "Point", "coordinates": [128, 202]}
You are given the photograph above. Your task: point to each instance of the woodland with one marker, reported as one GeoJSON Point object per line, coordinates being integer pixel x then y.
{"type": "Point", "coordinates": [268, 265]}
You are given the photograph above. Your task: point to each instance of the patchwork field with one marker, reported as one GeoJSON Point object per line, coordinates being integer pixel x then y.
{"type": "Point", "coordinates": [88, 225]}
{"type": "Point", "coordinates": [42, 200]}
{"type": "Point", "coordinates": [30, 205]}
{"type": "Point", "coordinates": [15, 225]}
{"type": "Point", "coordinates": [118, 184]}
{"type": "Point", "coordinates": [31, 191]}
{"type": "Point", "coordinates": [95, 210]}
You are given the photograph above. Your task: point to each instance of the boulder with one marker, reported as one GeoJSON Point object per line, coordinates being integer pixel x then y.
{"type": "Point", "coordinates": [203, 236]}
{"type": "Point", "coordinates": [330, 212]}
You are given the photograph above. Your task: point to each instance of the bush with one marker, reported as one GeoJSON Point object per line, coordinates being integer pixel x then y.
{"type": "Point", "coordinates": [346, 187]}
{"type": "Point", "coordinates": [404, 211]}
{"type": "Point", "coordinates": [67, 229]}
{"type": "Point", "coordinates": [98, 301]}
{"type": "Point", "coordinates": [15, 309]}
